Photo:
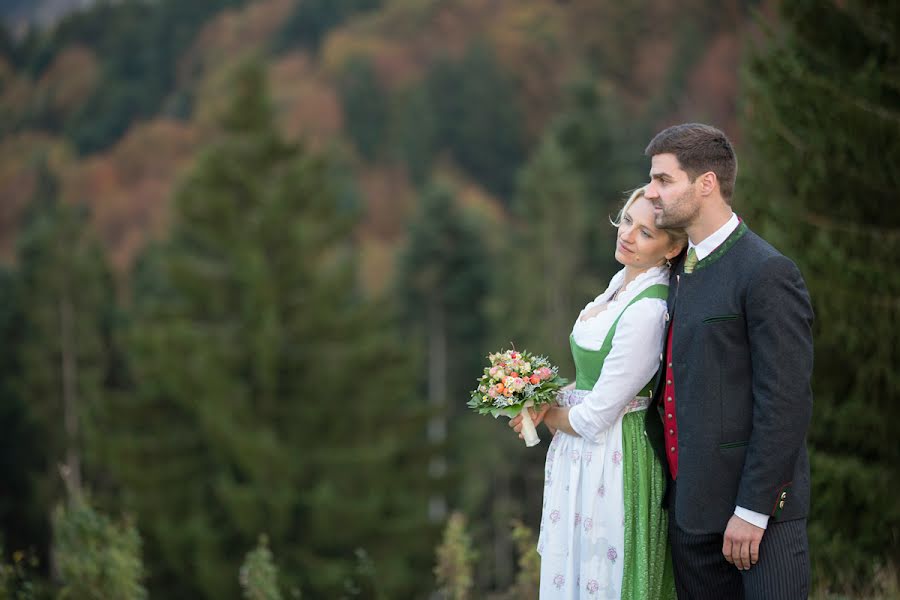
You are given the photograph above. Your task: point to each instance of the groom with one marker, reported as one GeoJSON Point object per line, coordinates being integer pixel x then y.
{"type": "Point", "coordinates": [733, 398]}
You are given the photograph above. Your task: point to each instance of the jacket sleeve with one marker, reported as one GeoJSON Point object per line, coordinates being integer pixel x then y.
{"type": "Point", "coordinates": [779, 328]}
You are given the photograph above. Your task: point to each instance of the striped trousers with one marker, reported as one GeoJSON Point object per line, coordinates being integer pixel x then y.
{"type": "Point", "coordinates": [702, 573]}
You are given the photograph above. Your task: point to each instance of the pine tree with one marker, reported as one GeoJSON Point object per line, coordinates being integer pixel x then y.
{"type": "Point", "coordinates": [365, 106]}
{"type": "Point", "coordinates": [443, 278]}
{"type": "Point", "coordinates": [478, 118]}
{"type": "Point", "coordinates": [605, 149]}
{"type": "Point", "coordinates": [97, 558]}
{"type": "Point", "coordinates": [65, 296]}
{"type": "Point", "coordinates": [270, 398]}
{"type": "Point", "coordinates": [23, 519]}
{"type": "Point", "coordinates": [823, 131]}
{"type": "Point", "coordinates": [548, 256]}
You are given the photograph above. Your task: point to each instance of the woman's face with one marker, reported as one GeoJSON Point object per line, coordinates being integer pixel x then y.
{"type": "Point", "coordinates": [639, 243]}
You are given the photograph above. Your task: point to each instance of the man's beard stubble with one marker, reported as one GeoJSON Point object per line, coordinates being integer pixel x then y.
{"type": "Point", "coordinates": [679, 214]}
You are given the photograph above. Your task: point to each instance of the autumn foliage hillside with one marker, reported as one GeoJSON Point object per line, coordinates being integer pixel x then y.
{"type": "Point", "coordinates": [351, 89]}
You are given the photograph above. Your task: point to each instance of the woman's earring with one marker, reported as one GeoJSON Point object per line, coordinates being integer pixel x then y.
{"type": "Point", "coordinates": [668, 264]}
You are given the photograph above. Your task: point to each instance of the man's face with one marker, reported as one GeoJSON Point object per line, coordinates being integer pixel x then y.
{"type": "Point", "coordinates": [675, 203]}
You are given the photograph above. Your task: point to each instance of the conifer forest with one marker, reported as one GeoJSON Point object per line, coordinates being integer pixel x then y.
{"type": "Point", "coordinates": [254, 254]}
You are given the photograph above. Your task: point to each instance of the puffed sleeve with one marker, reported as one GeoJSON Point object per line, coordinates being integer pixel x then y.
{"type": "Point", "coordinates": [629, 366]}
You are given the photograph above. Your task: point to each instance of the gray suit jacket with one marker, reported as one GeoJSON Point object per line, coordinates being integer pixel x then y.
{"type": "Point", "coordinates": [742, 357]}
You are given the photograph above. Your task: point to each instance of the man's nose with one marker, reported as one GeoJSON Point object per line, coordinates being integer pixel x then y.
{"type": "Point", "coordinates": [650, 191]}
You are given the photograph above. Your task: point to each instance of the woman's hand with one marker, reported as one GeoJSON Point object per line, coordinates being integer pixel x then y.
{"type": "Point", "coordinates": [536, 415]}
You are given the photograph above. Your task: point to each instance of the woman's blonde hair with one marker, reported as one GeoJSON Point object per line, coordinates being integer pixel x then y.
{"type": "Point", "coordinates": [678, 236]}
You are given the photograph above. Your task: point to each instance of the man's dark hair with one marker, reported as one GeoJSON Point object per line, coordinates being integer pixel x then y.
{"type": "Point", "coordinates": [699, 148]}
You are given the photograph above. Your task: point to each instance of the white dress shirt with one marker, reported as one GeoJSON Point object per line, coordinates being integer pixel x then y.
{"type": "Point", "coordinates": [704, 249]}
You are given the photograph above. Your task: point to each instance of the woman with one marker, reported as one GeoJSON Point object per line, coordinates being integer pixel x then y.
{"type": "Point", "coordinates": [603, 530]}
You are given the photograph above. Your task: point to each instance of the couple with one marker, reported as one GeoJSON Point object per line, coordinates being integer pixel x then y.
{"type": "Point", "coordinates": [692, 394]}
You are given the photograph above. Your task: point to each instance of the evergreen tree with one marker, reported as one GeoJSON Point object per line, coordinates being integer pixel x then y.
{"type": "Point", "coordinates": [269, 397]}
{"type": "Point", "coordinates": [478, 117]}
{"type": "Point", "coordinates": [606, 151]}
{"type": "Point", "coordinates": [414, 135]}
{"type": "Point", "coordinates": [312, 20]}
{"type": "Point", "coordinates": [443, 278]}
{"type": "Point", "coordinates": [488, 142]}
{"type": "Point", "coordinates": [23, 520]}
{"type": "Point", "coordinates": [823, 134]}
{"type": "Point", "coordinates": [65, 295]}
{"type": "Point", "coordinates": [97, 558]}
{"type": "Point", "coordinates": [552, 229]}
{"type": "Point", "coordinates": [259, 575]}
{"type": "Point", "coordinates": [365, 107]}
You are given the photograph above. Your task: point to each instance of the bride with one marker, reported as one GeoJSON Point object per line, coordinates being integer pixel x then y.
{"type": "Point", "coordinates": [603, 528]}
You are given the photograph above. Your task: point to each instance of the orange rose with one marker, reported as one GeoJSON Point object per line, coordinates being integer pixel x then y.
{"type": "Point", "coordinates": [534, 379]}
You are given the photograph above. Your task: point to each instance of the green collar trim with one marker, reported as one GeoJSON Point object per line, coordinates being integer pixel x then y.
{"type": "Point", "coordinates": [723, 247]}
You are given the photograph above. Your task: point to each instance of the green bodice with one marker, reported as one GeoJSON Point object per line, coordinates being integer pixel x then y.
{"type": "Point", "coordinates": [589, 363]}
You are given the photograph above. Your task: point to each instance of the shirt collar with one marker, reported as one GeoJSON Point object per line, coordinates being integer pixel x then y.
{"type": "Point", "coordinates": [713, 241]}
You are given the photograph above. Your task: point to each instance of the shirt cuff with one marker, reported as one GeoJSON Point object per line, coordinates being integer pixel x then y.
{"type": "Point", "coordinates": [754, 518]}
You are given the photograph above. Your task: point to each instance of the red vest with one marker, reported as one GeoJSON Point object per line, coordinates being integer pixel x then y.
{"type": "Point", "coordinates": [670, 422]}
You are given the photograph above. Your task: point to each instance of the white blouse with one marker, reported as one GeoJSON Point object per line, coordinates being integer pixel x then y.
{"type": "Point", "coordinates": [635, 354]}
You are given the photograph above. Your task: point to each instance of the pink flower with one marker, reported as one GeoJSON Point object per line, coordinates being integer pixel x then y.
{"type": "Point", "coordinates": [601, 491]}
{"type": "Point", "coordinates": [559, 581]}
{"type": "Point", "coordinates": [593, 586]}
{"type": "Point", "coordinates": [611, 554]}
{"type": "Point", "coordinates": [587, 456]}
{"type": "Point", "coordinates": [617, 457]}
{"type": "Point", "coordinates": [554, 516]}
{"type": "Point", "coordinates": [588, 524]}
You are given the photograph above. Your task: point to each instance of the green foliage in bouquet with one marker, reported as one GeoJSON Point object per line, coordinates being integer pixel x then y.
{"type": "Point", "coordinates": [512, 379]}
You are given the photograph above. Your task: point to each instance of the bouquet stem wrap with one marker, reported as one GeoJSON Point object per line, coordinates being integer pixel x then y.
{"type": "Point", "coordinates": [528, 430]}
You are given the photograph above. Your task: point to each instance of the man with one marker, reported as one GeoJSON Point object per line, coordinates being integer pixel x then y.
{"type": "Point", "coordinates": [733, 398]}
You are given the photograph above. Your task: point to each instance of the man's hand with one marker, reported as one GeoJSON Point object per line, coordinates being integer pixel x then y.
{"type": "Point", "coordinates": [741, 543]}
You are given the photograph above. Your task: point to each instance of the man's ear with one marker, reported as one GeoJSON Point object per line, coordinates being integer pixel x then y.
{"type": "Point", "coordinates": [707, 183]}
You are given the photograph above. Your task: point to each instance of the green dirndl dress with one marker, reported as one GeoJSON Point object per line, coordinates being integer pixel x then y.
{"type": "Point", "coordinates": [578, 543]}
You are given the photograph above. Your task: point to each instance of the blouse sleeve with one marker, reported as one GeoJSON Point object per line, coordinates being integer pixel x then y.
{"type": "Point", "coordinates": [631, 363]}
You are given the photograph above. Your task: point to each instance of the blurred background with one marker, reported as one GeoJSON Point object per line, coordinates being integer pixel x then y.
{"type": "Point", "coordinates": [253, 254]}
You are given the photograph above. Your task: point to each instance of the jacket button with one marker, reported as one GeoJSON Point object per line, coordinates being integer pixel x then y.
{"type": "Point", "coordinates": [783, 495]}
{"type": "Point", "coordinates": [673, 450]}
{"type": "Point", "coordinates": [781, 504]}
{"type": "Point", "coordinates": [669, 415]}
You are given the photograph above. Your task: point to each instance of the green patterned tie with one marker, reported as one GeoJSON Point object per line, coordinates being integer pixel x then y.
{"type": "Point", "coordinates": [691, 261]}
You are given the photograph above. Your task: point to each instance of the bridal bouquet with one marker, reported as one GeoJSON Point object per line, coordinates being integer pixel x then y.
{"type": "Point", "coordinates": [515, 381]}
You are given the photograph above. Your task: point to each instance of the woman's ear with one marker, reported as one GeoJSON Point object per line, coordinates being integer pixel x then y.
{"type": "Point", "coordinates": [674, 251]}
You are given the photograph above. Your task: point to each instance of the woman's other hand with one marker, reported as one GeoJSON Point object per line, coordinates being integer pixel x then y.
{"type": "Point", "coordinates": [536, 415]}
